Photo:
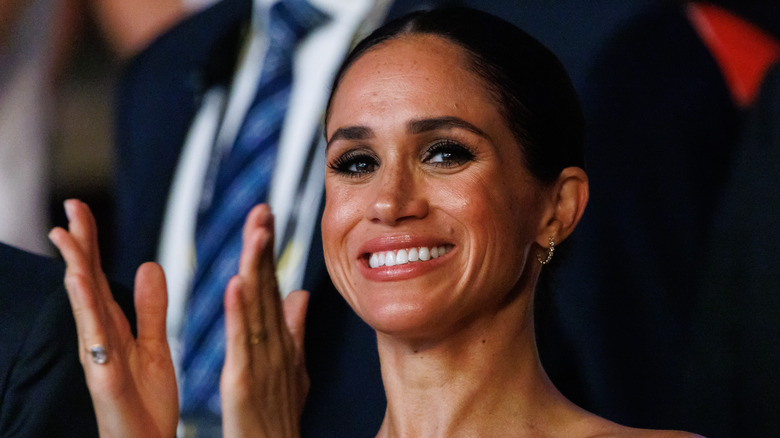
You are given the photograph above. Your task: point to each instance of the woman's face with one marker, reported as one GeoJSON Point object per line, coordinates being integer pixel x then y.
{"type": "Point", "coordinates": [420, 162]}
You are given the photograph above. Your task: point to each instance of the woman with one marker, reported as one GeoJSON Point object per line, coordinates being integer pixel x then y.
{"type": "Point", "coordinates": [454, 168]}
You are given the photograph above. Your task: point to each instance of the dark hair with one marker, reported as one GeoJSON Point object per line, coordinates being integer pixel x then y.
{"type": "Point", "coordinates": [533, 90]}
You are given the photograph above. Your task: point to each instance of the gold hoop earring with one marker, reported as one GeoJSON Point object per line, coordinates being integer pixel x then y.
{"type": "Point", "coordinates": [550, 252]}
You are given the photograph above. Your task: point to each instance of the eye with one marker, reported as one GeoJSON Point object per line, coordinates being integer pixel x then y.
{"type": "Point", "coordinates": [354, 163]}
{"type": "Point", "coordinates": [448, 154]}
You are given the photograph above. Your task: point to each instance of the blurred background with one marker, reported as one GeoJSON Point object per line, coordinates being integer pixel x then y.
{"type": "Point", "coordinates": [660, 316]}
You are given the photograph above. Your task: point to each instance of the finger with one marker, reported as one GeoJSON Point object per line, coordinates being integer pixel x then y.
{"type": "Point", "coordinates": [277, 341]}
{"type": "Point", "coordinates": [237, 356]}
{"type": "Point", "coordinates": [264, 265]}
{"type": "Point", "coordinates": [151, 303]}
{"type": "Point", "coordinates": [250, 291]}
{"type": "Point", "coordinates": [294, 307]}
{"type": "Point", "coordinates": [259, 217]}
{"type": "Point", "coordinates": [256, 268]}
{"type": "Point", "coordinates": [256, 265]}
{"type": "Point", "coordinates": [81, 225]}
{"type": "Point", "coordinates": [85, 301]}
{"type": "Point", "coordinates": [83, 229]}
{"type": "Point", "coordinates": [75, 259]}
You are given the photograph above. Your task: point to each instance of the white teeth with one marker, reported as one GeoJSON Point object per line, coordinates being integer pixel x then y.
{"type": "Point", "coordinates": [404, 256]}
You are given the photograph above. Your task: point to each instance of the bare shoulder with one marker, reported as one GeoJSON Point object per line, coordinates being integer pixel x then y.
{"type": "Point", "coordinates": [646, 433]}
{"type": "Point", "coordinates": [602, 428]}
{"type": "Point", "coordinates": [590, 425]}
{"type": "Point", "coordinates": [630, 432]}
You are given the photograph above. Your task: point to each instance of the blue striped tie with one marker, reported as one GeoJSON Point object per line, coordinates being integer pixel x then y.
{"type": "Point", "coordinates": [242, 181]}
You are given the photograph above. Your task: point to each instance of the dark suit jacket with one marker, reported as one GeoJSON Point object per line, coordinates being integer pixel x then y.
{"type": "Point", "coordinates": [42, 388]}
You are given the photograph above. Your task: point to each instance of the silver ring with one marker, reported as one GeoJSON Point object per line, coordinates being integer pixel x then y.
{"type": "Point", "coordinates": [99, 355]}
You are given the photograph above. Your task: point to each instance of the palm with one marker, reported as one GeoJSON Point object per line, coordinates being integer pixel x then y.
{"type": "Point", "coordinates": [264, 381]}
{"type": "Point", "coordinates": [134, 392]}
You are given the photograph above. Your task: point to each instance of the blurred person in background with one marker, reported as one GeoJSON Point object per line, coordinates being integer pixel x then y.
{"type": "Point", "coordinates": [27, 34]}
{"type": "Point", "coordinates": [37, 41]}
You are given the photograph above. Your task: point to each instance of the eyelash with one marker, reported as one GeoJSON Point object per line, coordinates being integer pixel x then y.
{"type": "Point", "coordinates": [342, 164]}
{"type": "Point", "coordinates": [454, 154]}
{"type": "Point", "coordinates": [458, 153]}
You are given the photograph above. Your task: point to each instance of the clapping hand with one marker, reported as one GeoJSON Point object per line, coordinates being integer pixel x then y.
{"type": "Point", "coordinates": [264, 381]}
{"type": "Point", "coordinates": [131, 380]}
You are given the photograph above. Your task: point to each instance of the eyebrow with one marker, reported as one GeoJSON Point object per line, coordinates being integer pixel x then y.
{"type": "Point", "coordinates": [447, 122]}
{"type": "Point", "coordinates": [415, 127]}
{"type": "Point", "coordinates": [351, 133]}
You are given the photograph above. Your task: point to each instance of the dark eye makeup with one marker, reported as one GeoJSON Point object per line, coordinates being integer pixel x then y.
{"type": "Point", "coordinates": [355, 163]}
{"type": "Point", "coordinates": [445, 154]}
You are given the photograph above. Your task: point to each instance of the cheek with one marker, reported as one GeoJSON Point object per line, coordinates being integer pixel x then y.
{"type": "Point", "coordinates": [336, 212]}
{"type": "Point", "coordinates": [334, 220]}
{"type": "Point", "coordinates": [487, 205]}
{"type": "Point", "coordinates": [339, 217]}
{"type": "Point", "coordinates": [497, 211]}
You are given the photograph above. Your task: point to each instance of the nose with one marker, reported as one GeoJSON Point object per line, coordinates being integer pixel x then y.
{"type": "Point", "coordinates": [398, 196]}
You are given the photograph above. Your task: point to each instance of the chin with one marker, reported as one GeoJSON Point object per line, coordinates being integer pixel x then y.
{"type": "Point", "coordinates": [406, 308]}
{"type": "Point", "coordinates": [400, 319]}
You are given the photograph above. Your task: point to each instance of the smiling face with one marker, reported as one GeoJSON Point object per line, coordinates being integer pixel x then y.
{"type": "Point", "coordinates": [431, 214]}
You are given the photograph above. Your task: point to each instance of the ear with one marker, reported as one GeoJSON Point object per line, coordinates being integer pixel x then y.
{"type": "Point", "coordinates": [567, 200]}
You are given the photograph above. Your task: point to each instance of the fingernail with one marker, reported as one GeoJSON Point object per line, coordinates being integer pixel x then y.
{"type": "Point", "coordinates": [68, 208]}
{"type": "Point", "coordinates": [51, 236]}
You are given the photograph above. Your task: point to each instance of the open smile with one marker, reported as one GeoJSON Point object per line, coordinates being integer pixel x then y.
{"type": "Point", "coordinates": [407, 255]}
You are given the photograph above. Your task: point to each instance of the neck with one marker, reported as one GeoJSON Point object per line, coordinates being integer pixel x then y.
{"type": "Point", "coordinates": [481, 380]}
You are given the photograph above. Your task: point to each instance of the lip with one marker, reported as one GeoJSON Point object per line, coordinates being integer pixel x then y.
{"type": "Point", "coordinates": [394, 243]}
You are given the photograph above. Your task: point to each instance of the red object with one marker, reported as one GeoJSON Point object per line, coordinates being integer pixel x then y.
{"type": "Point", "coordinates": [743, 51]}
